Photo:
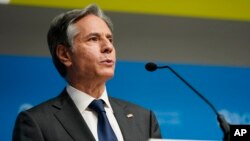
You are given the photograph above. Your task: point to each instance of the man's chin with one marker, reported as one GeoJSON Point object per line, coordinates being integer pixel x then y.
{"type": "Point", "coordinates": [109, 76]}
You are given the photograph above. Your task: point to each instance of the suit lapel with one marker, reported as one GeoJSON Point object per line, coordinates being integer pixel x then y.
{"type": "Point", "coordinates": [125, 120]}
{"type": "Point", "coordinates": [71, 119]}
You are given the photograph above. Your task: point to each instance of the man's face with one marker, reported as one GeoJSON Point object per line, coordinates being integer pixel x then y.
{"type": "Point", "coordinates": [93, 54]}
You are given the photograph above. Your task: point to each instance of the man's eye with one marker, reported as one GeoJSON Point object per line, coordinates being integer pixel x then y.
{"type": "Point", "coordinates": [111, 40]}
{"type": "Point", "coordinates": [93, 39]}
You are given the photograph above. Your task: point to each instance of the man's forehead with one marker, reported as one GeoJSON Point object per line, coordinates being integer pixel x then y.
{"type": "Point", "coordinates": [93, 23]}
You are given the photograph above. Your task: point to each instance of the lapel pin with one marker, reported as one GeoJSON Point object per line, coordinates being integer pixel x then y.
{"type": "Point", "coordinates": [129, 115]}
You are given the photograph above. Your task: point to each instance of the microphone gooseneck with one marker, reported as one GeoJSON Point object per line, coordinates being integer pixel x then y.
{"type": "Point", "coordinates": [223, 123]}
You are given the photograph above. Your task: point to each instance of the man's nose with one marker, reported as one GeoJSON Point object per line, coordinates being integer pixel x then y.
{"type": "Point", "coordinates": [107, 46]}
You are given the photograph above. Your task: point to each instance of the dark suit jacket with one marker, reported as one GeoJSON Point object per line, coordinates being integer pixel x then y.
{"type": "Point", "coordinates": [59, 120]}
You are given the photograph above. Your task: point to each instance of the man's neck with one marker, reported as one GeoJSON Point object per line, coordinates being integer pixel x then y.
{"type": "Point", "coordinates": [92, 89]}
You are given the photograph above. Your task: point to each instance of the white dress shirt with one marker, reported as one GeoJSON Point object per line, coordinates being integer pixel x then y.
{"type": "Point", "coordinates": [82, 101]}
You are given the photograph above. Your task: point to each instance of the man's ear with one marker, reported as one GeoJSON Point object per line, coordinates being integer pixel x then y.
{"type": "Point", "coordinates": [63, 54]}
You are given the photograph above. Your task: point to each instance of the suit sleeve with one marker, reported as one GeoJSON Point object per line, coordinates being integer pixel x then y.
{"type": "Point", "coordinates": [26, 129]}
{"type": "Point", "coordinates": [155, 128]}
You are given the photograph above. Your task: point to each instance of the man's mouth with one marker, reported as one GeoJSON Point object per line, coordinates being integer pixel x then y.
{"type": "Point", "coordinates": [107, 62]}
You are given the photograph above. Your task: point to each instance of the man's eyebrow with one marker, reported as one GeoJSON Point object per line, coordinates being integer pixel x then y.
{"type": "Point", "coordinates": [93, 34]}
{"type": "Point", "coordinates": [99, 34]}
{"type": "Point", "coordinates": [110, 35]}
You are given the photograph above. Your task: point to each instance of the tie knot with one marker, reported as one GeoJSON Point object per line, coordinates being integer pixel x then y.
{"type": "Point", "coordinates": [97, 105]}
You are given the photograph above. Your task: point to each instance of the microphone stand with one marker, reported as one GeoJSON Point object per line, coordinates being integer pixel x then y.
{"type": "Point", "coordinates": [223, 123]}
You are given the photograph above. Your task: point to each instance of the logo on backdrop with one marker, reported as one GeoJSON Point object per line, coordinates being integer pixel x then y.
{"type": "Point", "coordinates": [168, 117]}
{"type": "Point", "coordinates": [24, 107]}
{"type": "Point", "coordinates": [236, 118]}
{"type": "Point", "coordinates": [231, 117]}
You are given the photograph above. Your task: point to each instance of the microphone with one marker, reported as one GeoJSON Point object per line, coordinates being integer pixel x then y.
{"type": "Point", "coordinates": [220, 118]}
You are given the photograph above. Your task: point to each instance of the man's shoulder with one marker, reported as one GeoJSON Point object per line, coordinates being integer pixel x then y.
{"type": "Point", "coordinates": [42, 107]}
{"type": "Point", "coordinates": [128, 105]}
{"type": "Point", "coordinates": [47, 106]}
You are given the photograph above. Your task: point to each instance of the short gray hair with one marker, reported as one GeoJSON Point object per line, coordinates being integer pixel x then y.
{"type": "Point", "coordinates": [62, 31]}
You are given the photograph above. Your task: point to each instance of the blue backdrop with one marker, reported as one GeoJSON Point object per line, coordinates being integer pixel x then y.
{"type": "Point", "coordinates": [27, 81]}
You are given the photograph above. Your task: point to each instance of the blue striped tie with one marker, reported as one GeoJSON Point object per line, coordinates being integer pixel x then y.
{"type": "Point", "coordinates": [104, 130]}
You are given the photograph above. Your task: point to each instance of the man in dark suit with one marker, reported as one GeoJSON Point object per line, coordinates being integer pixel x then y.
{"type": "Point", "coordinates": [81, 45]}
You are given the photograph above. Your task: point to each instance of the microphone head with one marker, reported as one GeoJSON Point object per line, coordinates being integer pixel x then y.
{"type": "Point", "coordinates": [151, 66]}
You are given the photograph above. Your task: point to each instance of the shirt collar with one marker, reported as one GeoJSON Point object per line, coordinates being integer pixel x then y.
{"type": "Point", "coordinates": [82, 99]}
